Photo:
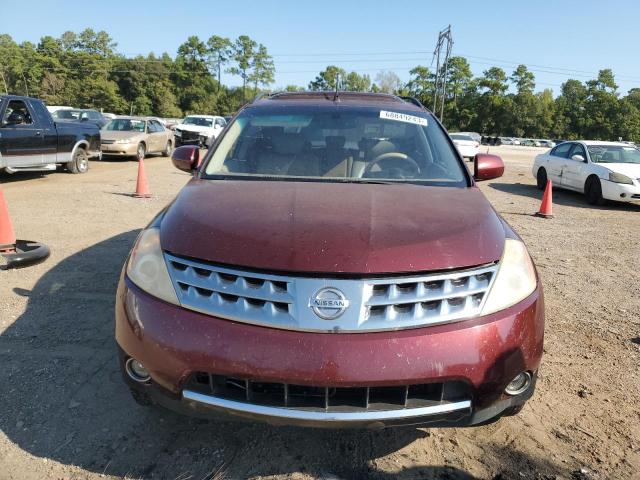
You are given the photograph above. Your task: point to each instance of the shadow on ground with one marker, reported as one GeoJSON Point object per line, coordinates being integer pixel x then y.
{"type": "Point", "coordinates": [62, 399]}
{"type": "Point", "coordinates": [560, 197]}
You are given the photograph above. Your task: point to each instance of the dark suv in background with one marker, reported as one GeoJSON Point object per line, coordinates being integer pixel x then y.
{"type": "Point", "coordinates": [332, 263]}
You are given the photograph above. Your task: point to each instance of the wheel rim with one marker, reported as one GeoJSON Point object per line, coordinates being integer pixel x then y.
{"type": "Point", "coordinates": [167, 150]}
{"type": "Point", "coordinates": [140, 152]}
{"type": "Point", "coordinates": [81, 162]}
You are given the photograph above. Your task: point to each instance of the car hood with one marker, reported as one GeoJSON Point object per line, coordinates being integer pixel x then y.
{"type": "Point", "coordinates": [629, 169]}
{"type": "Point", "coordinates": [116, 135]}
{"type": "Point", "coordinates": [332, 227]}
{"type": "Point", "coordinates": [193, 128]}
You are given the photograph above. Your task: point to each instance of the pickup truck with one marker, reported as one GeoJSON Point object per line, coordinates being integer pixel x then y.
{"type": "Point", "coordinates": [30, 140]}
{"type": "Point", "coordinates": [199, 130]}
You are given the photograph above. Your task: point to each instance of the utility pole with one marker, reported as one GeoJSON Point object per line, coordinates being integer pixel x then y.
{"type": "Point", "coordinates": [443, 49]}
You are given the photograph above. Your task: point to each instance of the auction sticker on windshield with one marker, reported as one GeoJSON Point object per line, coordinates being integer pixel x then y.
{"type": "Point", "coordinates": [403, 117]}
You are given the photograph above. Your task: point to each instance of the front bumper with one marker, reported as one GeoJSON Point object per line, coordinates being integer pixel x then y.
{"type": "Point", "coordinates": [620, 192]}
{"type": "Point", "coordinates": [485, 353]}
{"type": "Point", "coordinates": [468, 151]}
{"type": "Point", "coordinates": [120, 149]}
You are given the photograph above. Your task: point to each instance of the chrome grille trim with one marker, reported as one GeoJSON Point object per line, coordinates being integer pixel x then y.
{"type": "Point", "coordinates": [280, 301]}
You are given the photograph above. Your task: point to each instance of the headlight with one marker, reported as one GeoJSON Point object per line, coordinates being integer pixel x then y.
{"type": "Point", "coordinates": [147, 269]}
{"type": "Point", "coordinates": [124, 140]}
{"type": "Point", "coordinates": [620, 178]}
{"type": "Point", "coordinates": [515, 280]}
{"type": "Point", "coordinates": [177, 133]}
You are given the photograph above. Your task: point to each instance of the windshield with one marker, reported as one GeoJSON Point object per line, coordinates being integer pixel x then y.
{"type": "Point", "coordinates": [201, 122]}
{"type": "Point", "coordinates": [458, 136]}
{"type": "Point", "coordinates": [338, 143]}
{"type": "Point", "coordinates": [125, 125]}
{"type": "Point", "coordinates": [614, 154]}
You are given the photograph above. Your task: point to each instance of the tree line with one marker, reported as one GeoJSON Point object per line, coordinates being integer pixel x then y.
{"type": "Point", "coordinates": [85, 70]}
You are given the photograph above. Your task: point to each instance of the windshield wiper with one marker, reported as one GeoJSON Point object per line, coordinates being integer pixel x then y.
{"type": "Point", "coordinates": [373, 182]}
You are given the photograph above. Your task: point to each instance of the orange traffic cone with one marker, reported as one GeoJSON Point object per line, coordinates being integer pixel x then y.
{"type": "Point", "coordinates": [546, 207]}
{"type": "Point", "coordinates": [142, 187]}
{"type": "Point", "coordinates": [7, 235]}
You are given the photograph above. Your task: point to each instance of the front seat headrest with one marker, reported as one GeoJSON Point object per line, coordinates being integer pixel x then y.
{"type": "Point", "coordinates": [334, 142]}
{"type": "Point", "coordinates": [288, 143]}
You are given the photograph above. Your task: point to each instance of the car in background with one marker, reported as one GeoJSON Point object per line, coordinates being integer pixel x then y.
{"type": "Point", "coordinates": [53, 108]}
{"type": "Point", "coordinates": [199, 130]}
{"type": "Point", "coordinates": [172, 123]}
{"type": "Point", "coordinates": [81, 115]}
{"type": "Point", "coordinates": [466, 145]}
{"type": "Point", "coordinates": [332, 263]}
{"type": "Point", "coordinates": [476, 136]}
{"type": "Point", "coordinates": [136, 137]}
{"type": "Point", "coordinates": [546, 143]}
{"type": "Point", "coordinates": [601, 170]}
{"type": "Point", "coordinates": [30, 139]}
{"type": "Point", "coordinates": [109, 116]}
{"type": "Point", "coordinates": [506, 140]}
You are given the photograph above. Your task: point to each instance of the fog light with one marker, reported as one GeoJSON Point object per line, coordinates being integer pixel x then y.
{"type": "Point", "coordinates": [519, 384]}
{"type": "Point", "coordinates": [136, 371]}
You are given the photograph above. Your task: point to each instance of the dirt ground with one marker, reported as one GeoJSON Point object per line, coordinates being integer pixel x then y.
{"type": "Point", "coordinates": [65, 413]}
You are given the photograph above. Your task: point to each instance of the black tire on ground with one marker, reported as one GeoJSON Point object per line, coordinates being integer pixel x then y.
{"type": "Point", "coordinates": [142, 398]}
{"type": "Point", "coordinates": [168, 149]}
{"type": "Point", "coordinates": [80, 161]}
{"type": "Point", "coordinates": [141, 152]}
{"type": "Point", "coordinates": [541, 179]}
{"type": "Point", "coordinates": [593, 191]}
{"type": "Point", "coordinates": [511, 411]}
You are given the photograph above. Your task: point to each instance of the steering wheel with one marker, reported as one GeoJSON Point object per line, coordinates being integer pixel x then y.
{"type": "Point", "coordinates": [394, 157]}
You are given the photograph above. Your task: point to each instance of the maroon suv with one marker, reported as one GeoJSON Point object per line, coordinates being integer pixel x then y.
{"type": "Point", "coordinates": [332, 263]}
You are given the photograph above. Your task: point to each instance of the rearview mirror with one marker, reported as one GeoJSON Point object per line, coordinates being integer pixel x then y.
{"type": "Point", "coordinates": [186, 158]}
{"type": "Point", "coordinates": [487, 166]}
{"type": "Point", "coordinates": [577, 158]}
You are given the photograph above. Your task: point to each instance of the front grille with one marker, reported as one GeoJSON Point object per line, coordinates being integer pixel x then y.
{"type": "Point", "coordinates": [188, 135]}
{"type": "Point", "coordinates": [328, 399]}
{"type": "Point", "coordinates": [437, 298]}
{"type": "Point", "coordinates": [107, 142]}
{"type": "Point", "coordinates": [371, 304]}
{"type": "Point", "coordinates": [230, 293]}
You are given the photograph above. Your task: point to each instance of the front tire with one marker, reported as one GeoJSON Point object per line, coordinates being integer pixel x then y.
{"type": "Point", "coordinates": [168, 149]}
{"type": "Point", "coordinates": [541, 179]}
{"type": "Point", "coordinates": [141, 152]}
{"type": "Point", "coordinates": [80, 162]}
{"type": "Point", "coordinates": [593, 192]}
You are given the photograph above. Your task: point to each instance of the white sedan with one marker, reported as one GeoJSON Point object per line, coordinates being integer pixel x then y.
{"type": "Point", "coordinates": [601, 170]}
{"type": "Point", "coordinates": [465, 144]}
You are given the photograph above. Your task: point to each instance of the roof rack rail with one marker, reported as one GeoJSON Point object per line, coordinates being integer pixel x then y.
{"type": "Point", "coordinates": [262, 95]}
{"type": "Point", "coordinates": [412, 100]}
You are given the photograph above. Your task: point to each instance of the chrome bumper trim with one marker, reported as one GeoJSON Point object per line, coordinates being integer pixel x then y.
{"type": "Point", "coordinates": [266, 412]}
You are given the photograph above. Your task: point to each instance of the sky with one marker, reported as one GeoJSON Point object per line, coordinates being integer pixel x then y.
{"type": "Point", "coordinates": [556, 40]}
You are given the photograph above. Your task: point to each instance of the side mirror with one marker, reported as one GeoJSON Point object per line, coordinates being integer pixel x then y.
{"type": "Point", "coordinates": [578, 158]}
{"type": "Point", "coordinates": [487, 166]}
{"type": "Point", "coordinates": [186, 158]}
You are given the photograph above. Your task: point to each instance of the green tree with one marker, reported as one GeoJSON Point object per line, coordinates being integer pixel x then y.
{"type": "Point", "coordinates": [354, 82]}
{"type": "Point", "coordinates": [243, 52]}
{"type": "Point", "coordinates": [331, 78]}
{"type": "Point", "coordinates": [262, 69]}
{"type": "Point", "coordinates": [219, 50]}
